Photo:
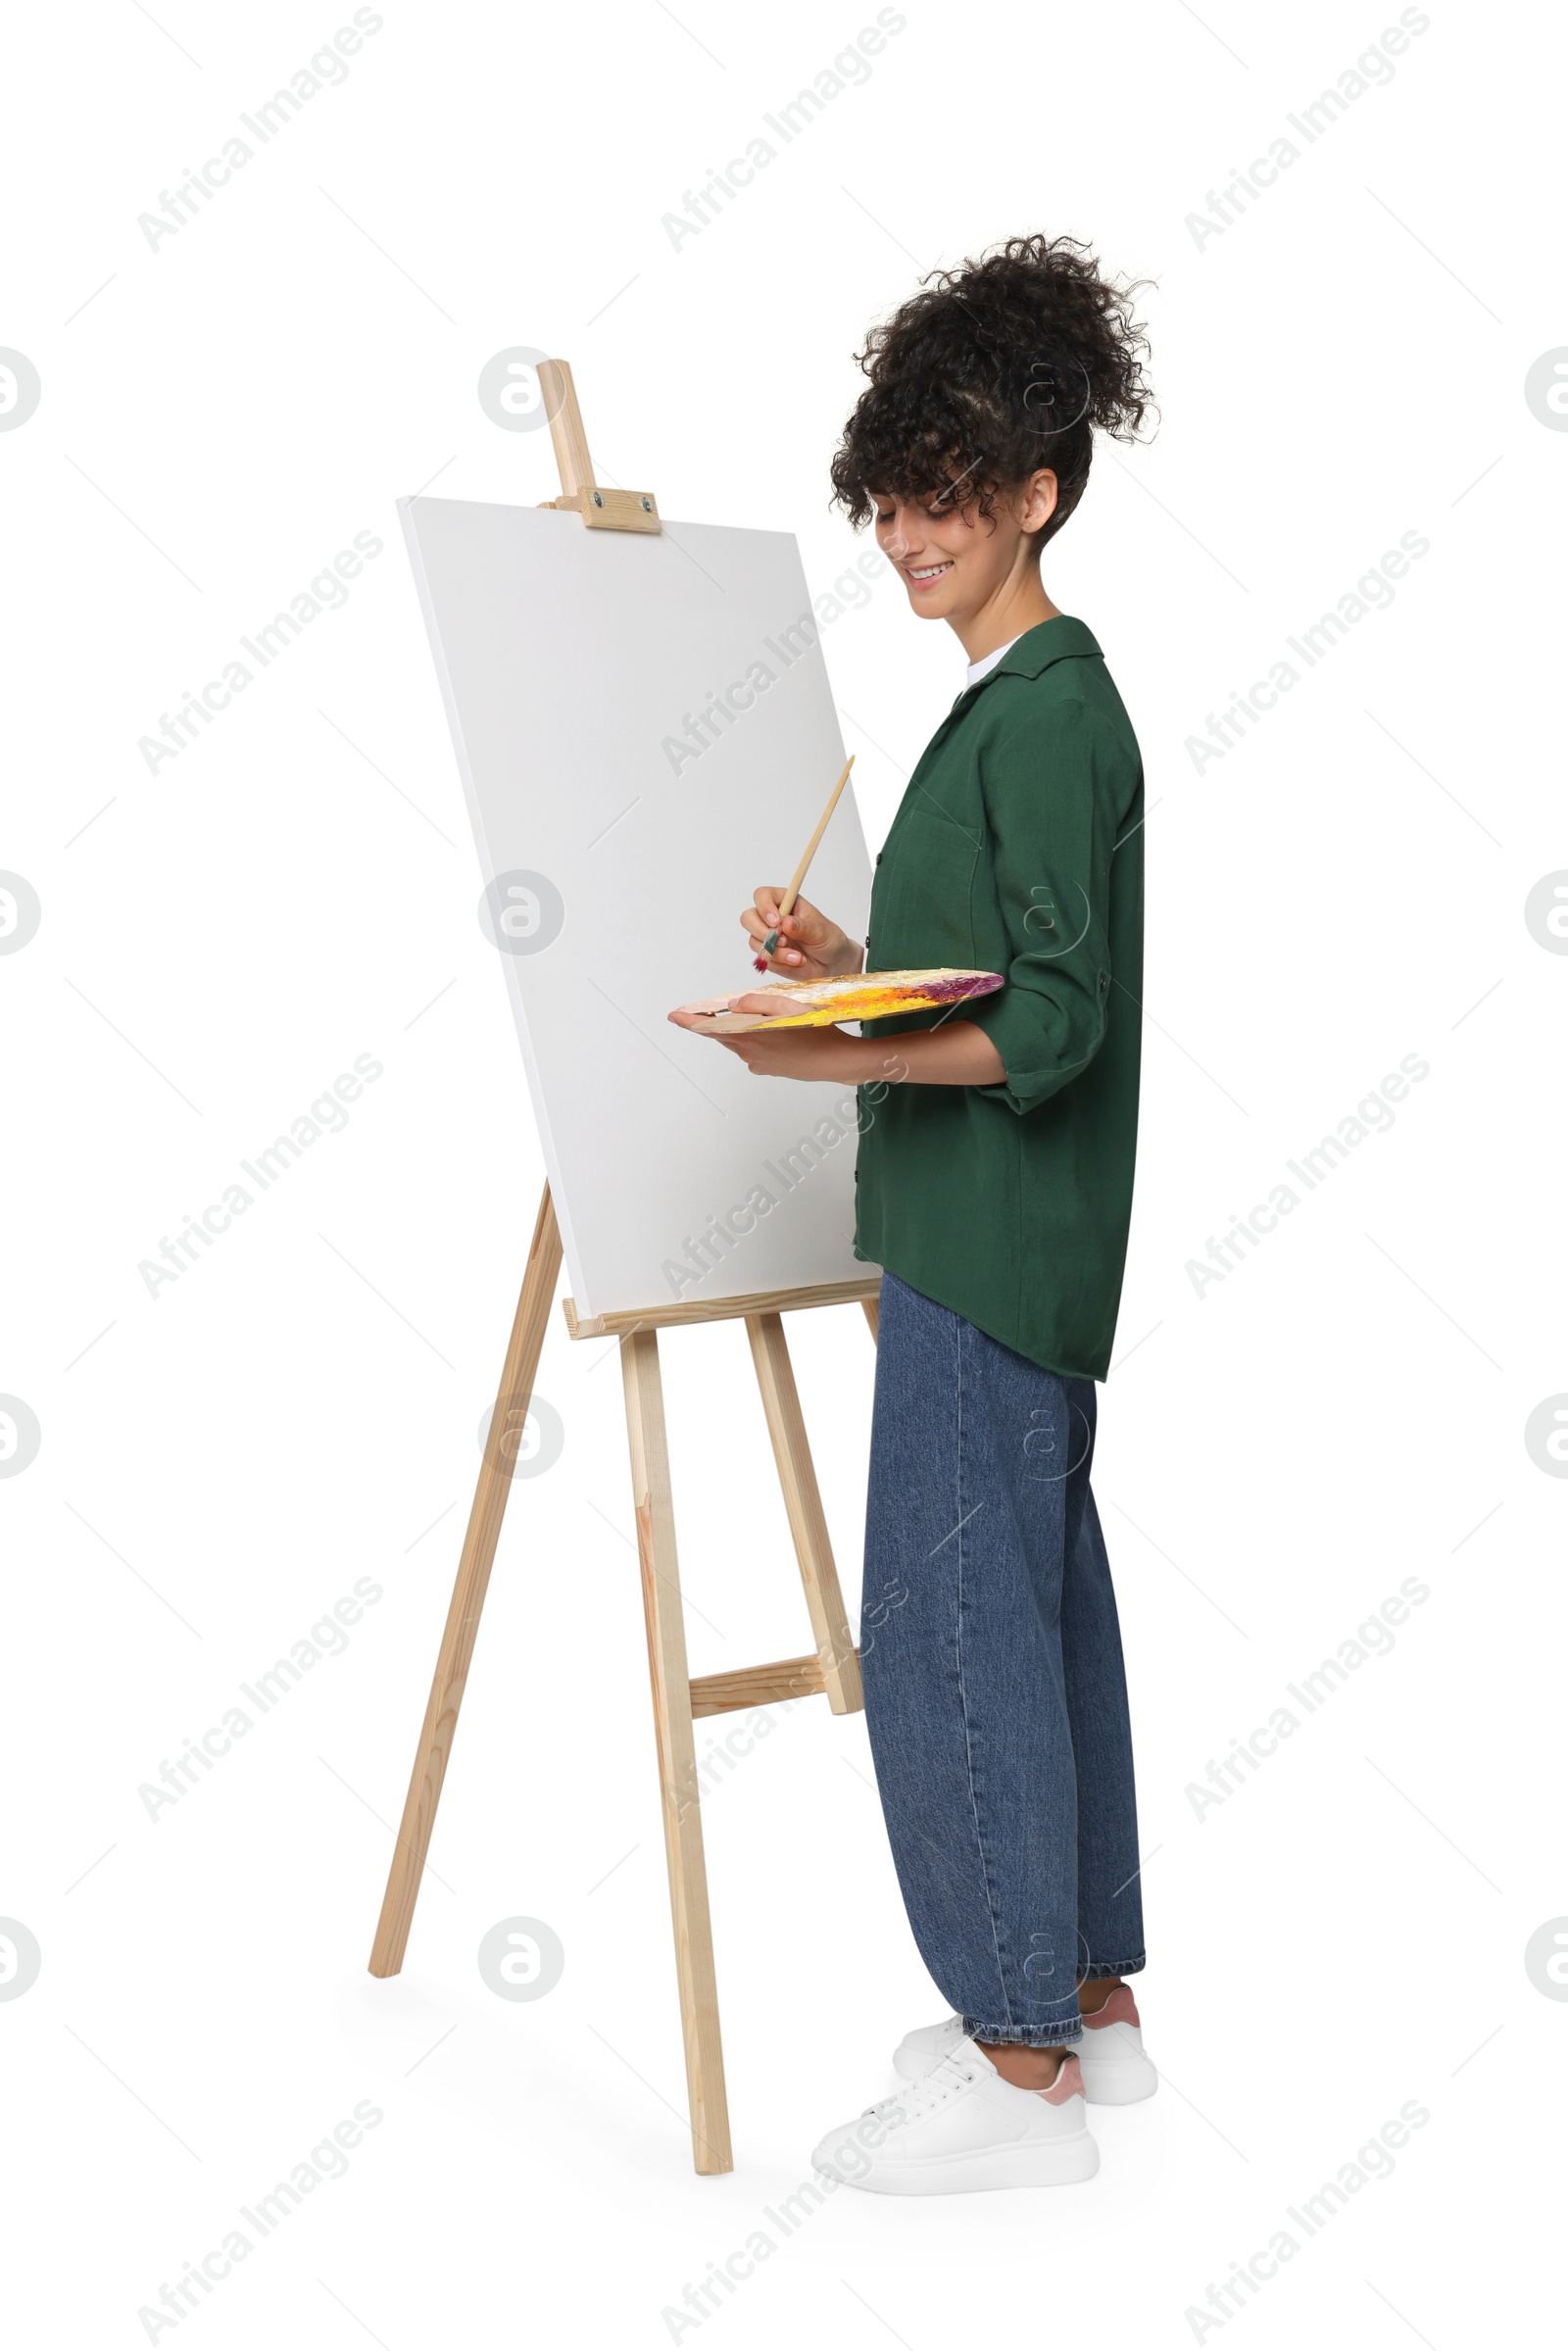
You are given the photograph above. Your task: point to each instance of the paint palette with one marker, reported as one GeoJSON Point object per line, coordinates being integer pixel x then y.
{"type": "Point", "coordinates": [819, 1003]}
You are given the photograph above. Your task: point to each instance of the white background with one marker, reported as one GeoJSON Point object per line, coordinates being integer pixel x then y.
{"type": "Point", "coordinates": [1346, 1931]}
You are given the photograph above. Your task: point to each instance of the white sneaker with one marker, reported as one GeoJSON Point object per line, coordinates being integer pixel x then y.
{"type": "Point", "coordinates": [1110, 2055]}
{"type": "Point", "coordinates": [961, 2127]}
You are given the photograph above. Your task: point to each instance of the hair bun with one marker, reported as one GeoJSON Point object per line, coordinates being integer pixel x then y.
{"type": "Point", "coordinates": [992, 370]}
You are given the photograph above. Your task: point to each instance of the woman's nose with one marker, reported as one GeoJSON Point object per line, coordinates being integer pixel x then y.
{"type": "Point", "coordinates": [900, 543]}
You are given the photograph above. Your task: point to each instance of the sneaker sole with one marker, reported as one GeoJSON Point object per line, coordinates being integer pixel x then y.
{"type": "Point", "coordinates": [1054, 2163]}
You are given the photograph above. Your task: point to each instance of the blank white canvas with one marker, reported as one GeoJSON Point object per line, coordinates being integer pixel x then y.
{"type": "Point", "coordinates": [571, 661]}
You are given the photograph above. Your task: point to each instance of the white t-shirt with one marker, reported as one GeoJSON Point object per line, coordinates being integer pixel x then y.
{"type": "Point", "coordinates": [980, 670]}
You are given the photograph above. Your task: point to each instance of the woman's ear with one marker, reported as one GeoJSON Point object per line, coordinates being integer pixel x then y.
{"type": "Point", "coordinates": [1039, 501]}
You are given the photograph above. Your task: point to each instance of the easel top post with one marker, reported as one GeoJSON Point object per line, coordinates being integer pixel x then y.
{"type": "Point", "coordinates": [601, 510]}
{"type": "Point", "coordinates": [573, 461]}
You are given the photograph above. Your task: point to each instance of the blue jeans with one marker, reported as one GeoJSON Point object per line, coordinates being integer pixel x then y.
{"type": "Point", "coordinates": [994, 1695]}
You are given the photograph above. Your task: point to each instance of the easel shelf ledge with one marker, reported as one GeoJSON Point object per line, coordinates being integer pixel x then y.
{"type": "Point", "coordinates": [856, 1292]}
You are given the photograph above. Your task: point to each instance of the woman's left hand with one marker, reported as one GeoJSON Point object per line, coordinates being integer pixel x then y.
{"type": "Point", "coordinates": [956, 1053]}
{"type": "Point", "coordinates": [814, 1055]}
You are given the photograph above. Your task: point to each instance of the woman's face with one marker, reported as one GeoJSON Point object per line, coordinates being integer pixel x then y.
{"type": "Point", "coordinates": [955, 563]}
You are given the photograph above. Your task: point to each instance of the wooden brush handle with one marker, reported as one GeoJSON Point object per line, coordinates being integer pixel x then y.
{"type": "Point", "coordinates": [787, 901]}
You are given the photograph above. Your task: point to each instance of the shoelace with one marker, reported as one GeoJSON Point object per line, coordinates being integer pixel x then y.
{"type": "Point", "coordinates": [922, 2096]}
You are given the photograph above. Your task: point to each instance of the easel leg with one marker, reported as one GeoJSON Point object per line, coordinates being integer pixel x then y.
{"type": "Point", "coordinates": [870, 1304]}
{"type": "Point", "coordinates": [468, 1595]}
{"type": "Point", "coordinates": [835, 1644]}
{"type": "Point", "coordinates": [678, 1752]}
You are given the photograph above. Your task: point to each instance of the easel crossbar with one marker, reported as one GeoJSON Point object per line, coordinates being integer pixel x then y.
{"type": "Point", "coordinates": [759, 1686]}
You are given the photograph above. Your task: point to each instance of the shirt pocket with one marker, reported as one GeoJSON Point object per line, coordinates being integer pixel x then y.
{"type": "Point", "coordinates": [923, 895]}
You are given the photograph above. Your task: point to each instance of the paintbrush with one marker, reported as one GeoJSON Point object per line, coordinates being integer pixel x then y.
{"type": "Point", "coordinates": [787, 901]}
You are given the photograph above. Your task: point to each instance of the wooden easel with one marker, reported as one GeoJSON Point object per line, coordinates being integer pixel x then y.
{"type": "Point", "coordinates": [832, 1668]}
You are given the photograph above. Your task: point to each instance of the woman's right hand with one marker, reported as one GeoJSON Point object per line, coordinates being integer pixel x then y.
{"type": "Point", "coordinates": [810, 946]}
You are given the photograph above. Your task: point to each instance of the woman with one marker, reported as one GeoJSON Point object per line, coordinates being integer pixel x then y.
{"type": "Point", "coordinates": [995, 1184]}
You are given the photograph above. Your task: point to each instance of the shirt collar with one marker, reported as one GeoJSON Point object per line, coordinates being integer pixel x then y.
{"type": "Point", "coordinates": [1062, 639]}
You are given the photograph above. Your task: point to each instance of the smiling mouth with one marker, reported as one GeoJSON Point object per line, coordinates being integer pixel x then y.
{"type": "Point", "coordinates": [923, 577]}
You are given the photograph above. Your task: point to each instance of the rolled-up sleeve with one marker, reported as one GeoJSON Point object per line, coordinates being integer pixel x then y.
{"type": "Point", "coordinates": [1052, 783]}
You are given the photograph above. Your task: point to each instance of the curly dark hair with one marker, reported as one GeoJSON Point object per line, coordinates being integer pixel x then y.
{"type": "Point", "coordinates": [991, 371]}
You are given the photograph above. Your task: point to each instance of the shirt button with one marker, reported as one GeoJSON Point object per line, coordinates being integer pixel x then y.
{"type": "Point", "coordinates": [879, 856]}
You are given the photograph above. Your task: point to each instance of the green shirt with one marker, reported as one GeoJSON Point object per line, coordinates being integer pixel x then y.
{"type": "Point", "coordinates": [1018, 848]}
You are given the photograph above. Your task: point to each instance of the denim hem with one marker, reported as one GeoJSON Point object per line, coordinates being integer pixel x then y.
{"type": "Point", "coordinates": [1030, 2037]}
{"type": "Point", "coordinates": [1127, 1967]}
